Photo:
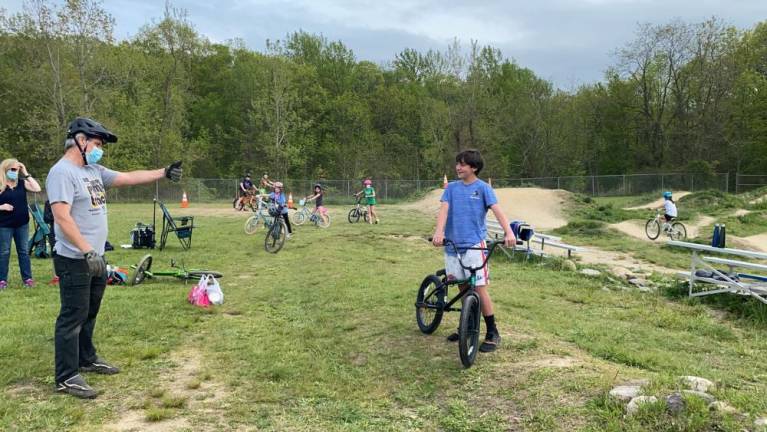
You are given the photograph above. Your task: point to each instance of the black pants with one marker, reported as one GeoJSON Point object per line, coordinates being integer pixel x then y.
{"type": "Point", "coordinates": [81, 297]}
{"type": "Point", "coordinates": [287, 222]}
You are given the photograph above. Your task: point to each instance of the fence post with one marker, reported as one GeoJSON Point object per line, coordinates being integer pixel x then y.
{"type": "Point", "coordinates": [662, 184]}
{"type": "Point", "coordinates": [737, 181]}
{"type": "Point", "coordinates": [727, 182]}
{"type": "Point", "coordinates": [593, 186]}
{"type": "Point", "coordinates": [558, 187]}
{"type": "Point", "coordinates": [692, 183]}
{"type": "Point", "coordinates": [386, 189]}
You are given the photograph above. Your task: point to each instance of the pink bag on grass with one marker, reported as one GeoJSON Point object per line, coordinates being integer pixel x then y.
{"type": "Point", "coordinates": [198, 295]}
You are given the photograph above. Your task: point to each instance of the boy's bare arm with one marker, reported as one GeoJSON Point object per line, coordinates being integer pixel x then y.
{"type": "Point", "coordinates": [509, 239]}
{"type": "Point", "coordinates": [439, 231]}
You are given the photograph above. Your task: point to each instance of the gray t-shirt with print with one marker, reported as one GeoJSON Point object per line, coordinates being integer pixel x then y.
{"type": "Point", "coordinates": [84, 188]}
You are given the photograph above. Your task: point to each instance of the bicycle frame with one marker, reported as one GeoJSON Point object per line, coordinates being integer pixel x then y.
{"type": "Point", "coordinates": [471, 281]}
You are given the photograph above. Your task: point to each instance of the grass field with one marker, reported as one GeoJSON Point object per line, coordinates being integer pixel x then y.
{"type": "Point", "coordinates": [322, 336]}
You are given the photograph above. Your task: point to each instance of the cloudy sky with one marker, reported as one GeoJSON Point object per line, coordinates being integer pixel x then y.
{"type": "Point", "coordinates": [566, 41]}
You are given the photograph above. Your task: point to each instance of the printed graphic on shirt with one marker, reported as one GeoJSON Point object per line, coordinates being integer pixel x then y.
{"type": "Point", "coordinates": [96, 192]}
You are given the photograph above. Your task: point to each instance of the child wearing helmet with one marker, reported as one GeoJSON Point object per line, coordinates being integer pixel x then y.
{"type": "Point", "coordinates": [669, 209]}
{"type": "Point", "coordinates": [370, 196]}
{"type": "Point", "coordinates": [318, 197]}
{"type": "Point", "coordinates": [278, 197]}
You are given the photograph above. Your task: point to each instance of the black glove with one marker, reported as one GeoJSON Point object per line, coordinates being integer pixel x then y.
{"type": "Point", "coordinates": [173, 171]}
{"type": "Point", "coordinates": [97, 267]}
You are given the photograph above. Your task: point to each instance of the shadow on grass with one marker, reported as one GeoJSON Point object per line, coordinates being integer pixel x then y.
{"type": "Point", "coordinates": [746, 309]}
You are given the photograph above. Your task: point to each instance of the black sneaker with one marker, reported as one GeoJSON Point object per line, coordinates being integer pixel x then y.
{"type": "Point", "coordinates": [76, 386]}
{"type": "Point", "coordinates": [492, 340]}
{"type": "Point", "coordinates": [454, 337]}
{"type": "Point", "coordinates": [100, 367]}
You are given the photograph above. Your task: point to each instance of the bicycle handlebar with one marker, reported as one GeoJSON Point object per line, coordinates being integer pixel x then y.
{"type": "Point", "coordinates": [490, 248]}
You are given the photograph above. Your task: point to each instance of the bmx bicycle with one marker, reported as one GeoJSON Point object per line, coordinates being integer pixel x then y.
{"type": "Point", "coordinates": [277, 230]}
{"type": "Point", "coordinates": [303, 214]}
{"type": "Point", "coordinates": [654, 226]}
{"type": "Point", "coordinates": [143, 270]}
{"type": "Point", "coordinates": [358, 211]}
{"type": "Point", "coordinates": [432, 302]}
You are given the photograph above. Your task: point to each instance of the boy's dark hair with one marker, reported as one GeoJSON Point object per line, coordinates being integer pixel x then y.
{"type": "Point", "coordinates": [471, 158]}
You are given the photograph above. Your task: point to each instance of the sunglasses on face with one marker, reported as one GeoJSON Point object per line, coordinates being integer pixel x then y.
{"type": "Point", "coordinates": [14, 169]}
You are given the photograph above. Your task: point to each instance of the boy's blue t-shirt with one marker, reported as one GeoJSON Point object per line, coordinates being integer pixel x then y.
{"type": "Point", "coordinates": [467, 209]}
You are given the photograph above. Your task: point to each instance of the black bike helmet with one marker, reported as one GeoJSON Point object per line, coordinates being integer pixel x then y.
{"type": "Point", "coordinates": [317, 185]}
{"type": "Point", "coordinates": [90, 128]}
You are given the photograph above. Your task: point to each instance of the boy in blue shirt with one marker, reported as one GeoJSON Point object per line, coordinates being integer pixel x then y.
{"type": "Point", "coordinates": [461, 219]}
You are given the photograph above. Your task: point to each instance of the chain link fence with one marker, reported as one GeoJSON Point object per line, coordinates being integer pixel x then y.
{"type": "Point", "coordinates": [747, 182]}
{"type": "Point", "coordinates": [340, 191]}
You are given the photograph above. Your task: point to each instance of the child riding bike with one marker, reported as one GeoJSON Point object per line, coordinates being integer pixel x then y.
{"type": "Point", "coordinates": [278, 198]}
{"type": "Point", "coordinates": [461, 219]}
{"type": "Point", "coordinates": [318, 197]}
{"type": "Point", "coordinates": [246, 188]}
{"type": "Point", "coordinates": [669, 210]}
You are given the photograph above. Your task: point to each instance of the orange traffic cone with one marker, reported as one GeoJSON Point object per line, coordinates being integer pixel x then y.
{"type": "Point", "coordinates": [444, 182]}
{"type": "Point", "coordinates": [290, 200]}
{"type": "Point", "coordinates": [184, 201]}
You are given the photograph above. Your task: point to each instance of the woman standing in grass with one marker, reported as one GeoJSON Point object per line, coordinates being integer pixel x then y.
{"type": "Point", "coordinates": [14, 218]}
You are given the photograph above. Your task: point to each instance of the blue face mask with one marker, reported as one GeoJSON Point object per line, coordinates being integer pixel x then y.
{"type": "Point", "coordinates": [12, 175]}
{"type": "Point", "coordinates": [94, 156]}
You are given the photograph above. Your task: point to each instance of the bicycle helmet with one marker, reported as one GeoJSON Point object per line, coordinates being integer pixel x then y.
{"type": "Point", "coordinates": [367, 182]}
{"type": "Point", "coordinates": [278, 185]}
{"type": "Point", "coordinates": [667, 195]}
{"type": "Point", "coordinates": [317, 185]}
{"type": "Point", "coordinates": [91, 129]}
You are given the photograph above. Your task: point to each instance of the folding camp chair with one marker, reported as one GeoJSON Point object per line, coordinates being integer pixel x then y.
{"type": "Point", "coordinates": [182, 226]}
{"type": "Point", "coordinates": [38, 242]}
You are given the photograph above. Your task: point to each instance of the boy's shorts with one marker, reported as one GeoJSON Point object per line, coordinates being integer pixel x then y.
{"type": "Point", "coordinates": [471, 258]}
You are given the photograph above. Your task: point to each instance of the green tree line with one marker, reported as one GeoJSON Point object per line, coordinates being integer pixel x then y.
{"type": "Point", "coordinates": [680, 96]}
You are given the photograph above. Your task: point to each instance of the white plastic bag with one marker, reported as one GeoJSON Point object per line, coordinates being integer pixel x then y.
{"type": "Point", "coordinates": [213, 289]}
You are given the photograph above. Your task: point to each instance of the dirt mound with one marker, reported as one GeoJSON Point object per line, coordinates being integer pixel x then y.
{"type": "Point", "coordinates": [756, 243]}
{"type": "Point", "coordinates": [657, 203]}
{"type": "Point", "coordinates": [541, 208]}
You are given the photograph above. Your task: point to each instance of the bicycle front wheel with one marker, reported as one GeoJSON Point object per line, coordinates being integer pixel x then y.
{"type": "Point", "coordinates": [428, 304]}
{"type": "Point", "coordinates": [652, 229]}
{"type": "Point", "coordinates": [252, 224]}
{"type": "Point", "coordinates": [139, 272]}
{"type": "Point", "coordinates": [275, 237]}
{"type": "Point", "coordinates": [298, 218]}
{"type": "Point", "coordinates": [468, 329]}
{"type": "Point", "coordinates": [354, 215]}
{"type": "Point", "coordinates": [196, 274]}
{"type": "Point", "coordinates": [678, 231]}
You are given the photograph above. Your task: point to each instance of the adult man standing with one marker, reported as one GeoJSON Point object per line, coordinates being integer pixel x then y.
{"type": "Point", "coordinates": [76, 189]}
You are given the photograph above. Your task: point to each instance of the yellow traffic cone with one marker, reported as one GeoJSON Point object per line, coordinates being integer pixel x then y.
{"type": "Point", "coordinates": [184, 201]}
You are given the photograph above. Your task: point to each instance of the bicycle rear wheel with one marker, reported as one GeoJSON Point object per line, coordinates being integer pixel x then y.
{"type": "Point", "coordinates": [428, 304]}
{"type": "Point", "coordinates": [652, 229]}
{"type": "Point", "coordinates": [678, 231]}
{"type": "Point", "coordinates": [468, 329]}
{"type": "Point", "coordinates": [323, 221]}
{"type": "Point", "coordinates": [275, 237]}
{"type": "Point", "coordinates": [252, 224]}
